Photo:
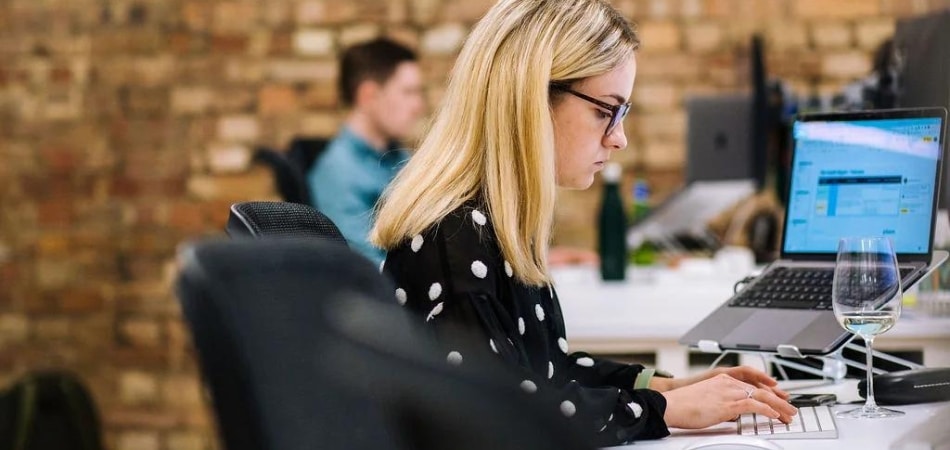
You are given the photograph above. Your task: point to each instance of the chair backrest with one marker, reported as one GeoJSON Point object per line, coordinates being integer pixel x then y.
{"type": "Point", "coordinates": [263, 219]}
{"type": "Point", "coordinates": [303, 346]}
{"type": "Point", "coordinates": [305, 151]}
{"type": "Point", "coordinates": [288, 177]}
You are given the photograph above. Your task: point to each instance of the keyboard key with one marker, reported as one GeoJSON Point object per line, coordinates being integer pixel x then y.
{"type": "Point", "coordinates": [809, 423]}
{"type": "Point", "coordinates": [809, 420]}
{"type": "Point", "coordinates": [825, 420]}
{"type": "Point", "coordinates": [746, 424]}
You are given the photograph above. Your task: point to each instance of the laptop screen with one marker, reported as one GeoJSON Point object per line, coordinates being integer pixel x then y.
{"type": "Point", "coordinates": [864, 176]}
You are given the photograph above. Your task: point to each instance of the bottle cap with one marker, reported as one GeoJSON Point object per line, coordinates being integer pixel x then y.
{"type": "Point", "coordinates": [612, 172]}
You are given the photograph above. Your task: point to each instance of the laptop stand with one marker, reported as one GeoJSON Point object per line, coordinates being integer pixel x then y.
{"type": "Point", "coordinates": [834, 365]}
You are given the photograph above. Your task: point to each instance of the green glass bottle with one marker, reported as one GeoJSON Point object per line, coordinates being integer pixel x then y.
{"type": "Point", "coordinates": [644, 253]}
{"type": "Point", "coordinates": [612, 235]}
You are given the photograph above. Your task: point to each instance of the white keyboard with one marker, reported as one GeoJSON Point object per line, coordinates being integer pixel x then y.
{"type": "Point", "coordinates": [810, 423]}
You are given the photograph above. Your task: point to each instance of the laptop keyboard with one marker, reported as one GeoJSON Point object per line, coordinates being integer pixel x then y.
{"type": "Point", "coordinates": [792, 288]}
{"type": "Point", "coordinates": [811, 422]}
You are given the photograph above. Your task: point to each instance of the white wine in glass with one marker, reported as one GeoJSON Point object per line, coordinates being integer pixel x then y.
{"type": "Point", "coordinates": [866, 297]}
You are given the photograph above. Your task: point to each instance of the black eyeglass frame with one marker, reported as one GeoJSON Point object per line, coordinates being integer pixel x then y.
{"type": "Point", "coordinates": [618, 112]}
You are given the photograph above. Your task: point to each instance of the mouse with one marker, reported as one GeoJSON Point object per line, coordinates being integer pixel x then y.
{"type": "Point", "coordinates": [732, 442]}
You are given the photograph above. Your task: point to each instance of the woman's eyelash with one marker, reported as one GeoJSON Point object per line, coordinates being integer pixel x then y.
{"type": "Point", "coordinates": [602, 114]}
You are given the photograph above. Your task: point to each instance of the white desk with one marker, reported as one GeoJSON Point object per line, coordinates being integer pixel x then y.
{"type": "Point", "coordinates": [858, 434]}
{"type": "Point", "coordinates": [651, 310]}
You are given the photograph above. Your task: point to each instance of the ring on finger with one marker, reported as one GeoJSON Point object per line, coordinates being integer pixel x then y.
{"type": "Point", "coordinates": [749, 390]}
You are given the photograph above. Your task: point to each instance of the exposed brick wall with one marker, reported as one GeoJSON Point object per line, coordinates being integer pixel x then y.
{"type": "Point", "coordinates": [126, 128]}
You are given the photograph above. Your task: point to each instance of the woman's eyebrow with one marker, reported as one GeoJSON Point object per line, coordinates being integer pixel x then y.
{"type": "Point", "coordinates": [619, 98]}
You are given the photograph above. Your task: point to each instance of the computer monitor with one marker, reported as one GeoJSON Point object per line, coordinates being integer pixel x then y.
{"type": "Point", "coordinates": [923, 44]}
{"type": "Point", "coordinates": [719, 137]}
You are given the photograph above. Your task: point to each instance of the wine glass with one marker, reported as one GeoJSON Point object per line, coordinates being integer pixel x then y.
{"type": "Point", "coordinates": [866, 297]}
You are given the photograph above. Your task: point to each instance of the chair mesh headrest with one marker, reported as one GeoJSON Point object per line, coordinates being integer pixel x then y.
{"type": "Point", "coordinates": [281, 219]}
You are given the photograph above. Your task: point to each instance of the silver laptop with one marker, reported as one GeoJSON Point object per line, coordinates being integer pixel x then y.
{"type": "Point", "coordinates": [852, 174]}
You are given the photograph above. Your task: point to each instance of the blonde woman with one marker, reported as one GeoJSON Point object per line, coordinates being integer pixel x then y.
{"type": "Point", "coordinates": [536, 101]}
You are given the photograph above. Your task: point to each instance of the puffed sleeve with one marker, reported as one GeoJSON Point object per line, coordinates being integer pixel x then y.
{"type": "Point", "coordinates": [451, 276]}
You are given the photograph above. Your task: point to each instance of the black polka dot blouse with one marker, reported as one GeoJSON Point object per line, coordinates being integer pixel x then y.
{"type": "Point", "coordinates": [453, 275]}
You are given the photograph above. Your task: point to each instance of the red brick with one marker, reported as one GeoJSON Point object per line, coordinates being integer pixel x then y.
{"type": "Point", "coordinates": [81, 300]}
{"type": "Point", "coordinates": [146, 358]}
{"type": "Point", "coordinates": [229, 43]}
{"type": "Point", "coordinates": [140, 417]}
{"type": "Point", "coordinates": [197, 14]}
{"type": "Point", "coordinates": [187, 217]}
{"type": "Point", "coordinates": [55, 213]}
{"type": "Point", "coordinates": [126, 187]}
{"type": "Point", "coordinates": [235, 16]}
{"type": "Point", "coordinates": [61, 75]}
{"type": "Point", "coordinates": [277, 100]}
{"type": "Point", "coordinates": [60, 158]}
{"type": "Point", "coordinates": [322, 95]}
{"type": "Point", "coordinates": [465, 10]}
{"type": "Point", "coordinates": [184, 42]}
{"type": "Point", "coordinates": [839, 9]}
{"type": "Point", "coordinates": [281, 43]}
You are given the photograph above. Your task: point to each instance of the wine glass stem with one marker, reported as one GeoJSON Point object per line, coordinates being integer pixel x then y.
{"type": "Point", "coordinates": [869, 403]}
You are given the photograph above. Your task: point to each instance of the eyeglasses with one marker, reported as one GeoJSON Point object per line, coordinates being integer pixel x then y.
{"type": "Point", "coordinates": [617, 112]}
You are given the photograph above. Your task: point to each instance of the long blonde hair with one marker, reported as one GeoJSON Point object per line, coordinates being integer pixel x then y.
{"type": "Point", "coordinates": [493, 135]}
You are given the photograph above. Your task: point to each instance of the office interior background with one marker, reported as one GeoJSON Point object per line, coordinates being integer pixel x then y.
{"type": "Point", "coordinates": [127, 128]}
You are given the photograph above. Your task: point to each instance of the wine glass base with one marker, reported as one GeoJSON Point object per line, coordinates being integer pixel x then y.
{"type": "Point", "coordinates": [868, 412]}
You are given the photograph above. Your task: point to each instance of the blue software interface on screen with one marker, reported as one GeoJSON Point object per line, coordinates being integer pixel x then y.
{"type": "Point", "coordinates": [862, 178]}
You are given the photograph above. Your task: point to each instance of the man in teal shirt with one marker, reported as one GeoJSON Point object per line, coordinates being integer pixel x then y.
{"type": "Point", "coordinates": [381, 82]}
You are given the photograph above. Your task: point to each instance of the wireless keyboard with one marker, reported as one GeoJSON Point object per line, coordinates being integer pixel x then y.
{"type": "Point", "coordinates": [811, 422]}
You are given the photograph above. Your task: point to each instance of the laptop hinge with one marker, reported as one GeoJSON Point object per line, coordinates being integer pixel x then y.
{"type": "Point", "coordinates": [789, 351]}
{"type": "Point", "coordinates": [708, 346]}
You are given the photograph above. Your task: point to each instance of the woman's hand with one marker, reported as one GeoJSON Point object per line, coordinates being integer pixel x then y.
{"type": "Point", "coordinates": [746, 374]}
{"type": "Point", "coordinates": [720, 398]}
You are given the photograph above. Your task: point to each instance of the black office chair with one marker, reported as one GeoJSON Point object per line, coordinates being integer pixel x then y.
{"type": "Point", "coordinates": [305, 151]}
{"type": "Point", "coordinates": [260, 219]}
{"type": "Point", "coordinates": [289, 179]}
{"type": "Point", "coordinates": [303, 346]}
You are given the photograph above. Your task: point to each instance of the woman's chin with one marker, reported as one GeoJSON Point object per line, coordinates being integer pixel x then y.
{"type": "Point", "coordinates": [577, 184]}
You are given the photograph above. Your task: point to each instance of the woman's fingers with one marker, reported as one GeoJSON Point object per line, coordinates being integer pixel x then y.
{"type": "Point", "coordinates": [775, 390]}
{"type": "Point", "coordinates": [751, 405]}
{"type": "Point", "coordinates": [777, 404]}
{"type": "Point", "coordinates": [753, 376]}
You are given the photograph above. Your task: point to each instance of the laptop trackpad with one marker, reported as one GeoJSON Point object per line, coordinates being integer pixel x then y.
{"type": "Point", "coordinates": [769, 328]}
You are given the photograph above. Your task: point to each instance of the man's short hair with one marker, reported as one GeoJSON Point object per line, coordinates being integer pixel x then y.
{"type": "Point", "coordinates": [374, 60]}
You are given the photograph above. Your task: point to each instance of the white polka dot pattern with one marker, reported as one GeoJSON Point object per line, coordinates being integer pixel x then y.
{"type": "Point", "coordinates": [401, 296]}
{"type": "Point", "coordinates": [521, 326]}
{"type": "Point", "coordinates": [491, 342]}
{"type": "Point", "coordinates": [435, 311]}
{"type": "Point", "coordinates": [478, 217]}
{"type": "Point", "coordinates": [529, 386]}
{"type": "Point", "coordinates": [561, 342]}
{"type": "Point", "coordinates": [435, 291]}
{"type": "Point", "coordinates": [454, 358]}
{"type": "Point", "coordinates": [508, 270]}
{"type": "Point", "coordinates": [539, 311]}
{"type": "Point", "coordinates": [550, 370]}
{"type": "Point", "coordinates": [416, 243]}
{"type": "Point", "coordinates": [568, 408]}
{"type": "Point", "coordinates": [479, 269]}
{"type": "Point", "coordinates": [585, 362]}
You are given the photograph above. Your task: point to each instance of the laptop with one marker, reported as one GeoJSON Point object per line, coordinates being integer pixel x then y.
{"type": "Point", "coordinates": [852, 174]}
{"type": "Point", "coordinates": [719, 137]}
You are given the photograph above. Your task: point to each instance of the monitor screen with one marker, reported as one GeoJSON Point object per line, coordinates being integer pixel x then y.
{"type": "Point", "coordinates": [864, 177]}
